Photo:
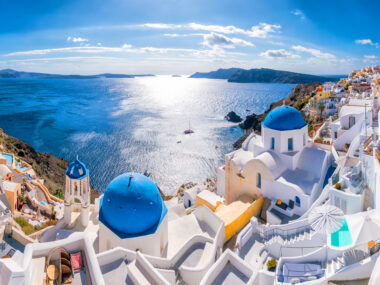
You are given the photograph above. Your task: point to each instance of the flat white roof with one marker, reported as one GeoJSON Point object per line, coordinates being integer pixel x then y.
{"type": "Point", "coordinates": [8, 185]}
{"type": "Point", "coordinates": [351, 110]}
{"type": "Point", "coordinates": [210, 197]}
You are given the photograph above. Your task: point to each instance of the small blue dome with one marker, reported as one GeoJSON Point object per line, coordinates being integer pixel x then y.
{"type": "Point", "coordinates": [132, 206]}
{"type": "Point", "coordinates": [284, 118]}
{"type": "Point", "coordinates": [77, 170]}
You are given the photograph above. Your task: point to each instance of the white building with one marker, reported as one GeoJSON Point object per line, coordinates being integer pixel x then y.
{"type": "Point", "coordinates": [77, 189]}
{"type": "Point", "coordinates": [277, 165]}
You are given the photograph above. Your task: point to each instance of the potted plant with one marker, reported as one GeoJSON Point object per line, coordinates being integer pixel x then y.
{"type": "Point", "coordinates": [338, 186]}
{"type": "Point", "coordinates": [271, 264]}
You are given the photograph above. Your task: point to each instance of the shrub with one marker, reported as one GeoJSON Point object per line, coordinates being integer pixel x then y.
{"type": "Point", "coordinates": [21, 221]}
{"type": "Point", "coordinates": [338, 186]}
{"type": "Point", "coordinates": [59, 194]}
{"type": "Point", "coordinates": [76, 200]}
{"type": "Point", "coordinates": [271, 264]}
{"type": "Point", "coordinates": [318, 140]}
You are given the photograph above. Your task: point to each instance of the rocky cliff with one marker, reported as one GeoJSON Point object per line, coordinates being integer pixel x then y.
{"type": "Point", "coordinates": [46, 166]}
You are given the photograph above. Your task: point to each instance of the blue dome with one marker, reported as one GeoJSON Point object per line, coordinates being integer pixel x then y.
{"type": "Point", "coordinates": [132, 206]}
{"type": "Point", "coordinates": [284, 118]}
{"type": "Point", "coordinates": [77, 170]}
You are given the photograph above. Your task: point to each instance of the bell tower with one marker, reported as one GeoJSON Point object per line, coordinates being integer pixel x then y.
{"type": "Point", "coordinates": [77, 191]}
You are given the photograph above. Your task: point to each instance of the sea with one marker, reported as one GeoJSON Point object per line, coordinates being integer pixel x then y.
{"type": "Point", "coordinates": [134, 124]}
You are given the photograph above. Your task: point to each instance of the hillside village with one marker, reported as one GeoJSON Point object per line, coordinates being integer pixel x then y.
{"type": "Point", "coordinates": [296, 203]}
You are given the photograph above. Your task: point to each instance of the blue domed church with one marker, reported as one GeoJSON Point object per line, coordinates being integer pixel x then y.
{"type": "Point", "coordinates": [133, 215]}
{"type": "Point", "coordinates": [77, 189]}
{"type": "Point", "coordinates": [282, 164]}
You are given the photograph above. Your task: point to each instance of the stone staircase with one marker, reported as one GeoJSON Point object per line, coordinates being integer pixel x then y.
{"type": "Point", "coordinates": [335, 264]}
{"type": "Point", "coordinates": [290, 238]}
{"type": "Point", "coordinates": [137, 274]}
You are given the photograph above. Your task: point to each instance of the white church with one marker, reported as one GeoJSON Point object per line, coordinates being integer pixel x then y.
{"type": "Point", "coordinates": [282, 165]}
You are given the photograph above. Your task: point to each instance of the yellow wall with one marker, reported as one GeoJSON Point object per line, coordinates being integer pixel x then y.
{"type": "Point", "coordinates": [243, 219]}
{"type": "Point", "coordinates": [199, 202]}
{"type": "Point", "coordinates": [323, 95]}
{"type": "Point", "coordinates": [12, 197]}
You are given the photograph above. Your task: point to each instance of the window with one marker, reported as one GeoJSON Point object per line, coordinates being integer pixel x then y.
{"type": "Point", "coordinates": [272, 144]}
{"type": "Point", "coordinates": [351, 121]}
{"type": "Point", "coordinates": [335, 135]}
{"type": "Point", "coordinates": [189, 203]}
{"type": "Point", "coordinates": [304, 139]}
{"type": "Point", "coordinates": [290, 144]}
{"type": "Point", "coordinates": [258, 180]}
{"type": "Point", "coordinates": [298, 201]}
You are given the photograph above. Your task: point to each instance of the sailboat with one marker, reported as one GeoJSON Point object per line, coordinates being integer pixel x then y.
{"type": "Point", "coordinates": [189, 130]}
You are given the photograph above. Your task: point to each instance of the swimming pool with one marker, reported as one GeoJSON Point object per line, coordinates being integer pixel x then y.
{"type": "Point", "coordinates": [43, 203]}
{"type": "Point", "coordinates": [341, 237]}
{"type": "Point", "coordinates": [21, 168]}
{"type": "Point", "coordinates": [9, 158]}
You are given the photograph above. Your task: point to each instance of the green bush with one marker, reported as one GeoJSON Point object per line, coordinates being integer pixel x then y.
{"type": "Point", "coordinates": [59, 194]}
{"type": "Point", "coordinates": [271, 264]}
{"type": "Point", "coordinates": [76, 200]}
{"type": "Point", "coordinates": [21, 221]}
{"type": "Point", "coordinates": [29, 229]}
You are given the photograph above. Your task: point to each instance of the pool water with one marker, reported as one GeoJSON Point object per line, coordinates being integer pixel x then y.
{"type": "Point", "coordinates": [9, 158]}
{"type": "Point", "coordinates": [21, 168]}
{"type": "Point", "coordinates": [43, 203]}
{"type": "Point", "coordinates": [342, 237]}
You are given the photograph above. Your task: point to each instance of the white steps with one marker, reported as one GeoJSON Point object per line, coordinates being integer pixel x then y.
{"type": "Point", "coordinates": [136, 275]}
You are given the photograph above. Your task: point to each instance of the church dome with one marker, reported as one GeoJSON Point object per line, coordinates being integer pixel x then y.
{"type": "Point", "coordinates": [284, 118]}
{"type": "Point", "coordinates": [132, 205]}
{"type": "Point", "coordinates": [77, 170]}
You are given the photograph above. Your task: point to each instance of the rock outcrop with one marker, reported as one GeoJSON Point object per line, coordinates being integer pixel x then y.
{"type": "Point", "coordinates": [297, 98]}
{"type": "Point", "coordinates": [233, 117]}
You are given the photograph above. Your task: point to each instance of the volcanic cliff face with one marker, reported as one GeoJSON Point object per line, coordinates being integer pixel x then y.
{"type": "Point", "coordinates": [297, 98]}
{"type": "Point", "coordinates": [46, 166]}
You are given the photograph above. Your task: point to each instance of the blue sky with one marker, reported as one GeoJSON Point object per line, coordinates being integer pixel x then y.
{"type": "Point", "coordinates": [182, 36]}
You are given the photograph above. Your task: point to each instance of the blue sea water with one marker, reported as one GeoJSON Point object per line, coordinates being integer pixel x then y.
{"type": "Point", "coordinates": [121, 125]}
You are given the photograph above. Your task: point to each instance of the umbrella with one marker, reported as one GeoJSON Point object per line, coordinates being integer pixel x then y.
{"type": "Point", "coordinates": [327, 219]}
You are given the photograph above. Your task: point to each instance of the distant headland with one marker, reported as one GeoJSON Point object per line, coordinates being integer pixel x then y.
{"type": "Point", "coordinates": [263, 75]}
{"type": "Point", "coordinates": [10, 73]}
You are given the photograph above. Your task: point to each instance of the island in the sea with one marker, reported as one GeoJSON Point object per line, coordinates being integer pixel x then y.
{"type": "Point", "coordinates": [11, 73]}
{"type": "Point", "coordinates": [262, 75]}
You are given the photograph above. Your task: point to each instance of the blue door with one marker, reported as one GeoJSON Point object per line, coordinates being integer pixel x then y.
{"type": "Point", "coordinates": [290, 144]}
{"type": "Point", "coordinates": [298, 201]}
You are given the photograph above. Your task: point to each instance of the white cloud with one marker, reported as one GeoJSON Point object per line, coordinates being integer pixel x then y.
{"type": "Point", "coordinates": [126, 46]}
{"type": "Point", "coordinates": [218, 40]}
{"type": "Point", "coordinates": [314, 52]}
{"type": "Point", "coordinates": [80, 49]}
{"type": "Point", "coordinates": [278, 53]}
{"type": "Point", "coordinates": [76, 39]}
{"type": "Point", "coordinates": [371, 59]}
{"type": "Point", "coordinates": [366, 42]}
{"type": "Point", "coordinates": [161, 26]}
{"type": "Point", "coordinates": [172, 35]}
{"type": "Point", "coordinates": [299, 13]}
{"type": "Point", "coordinates": [262, 30]}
